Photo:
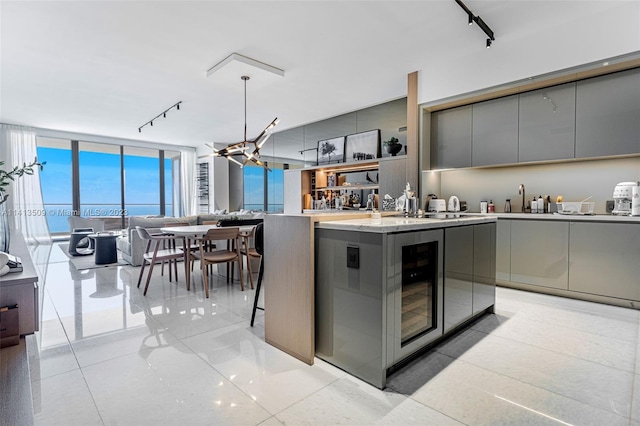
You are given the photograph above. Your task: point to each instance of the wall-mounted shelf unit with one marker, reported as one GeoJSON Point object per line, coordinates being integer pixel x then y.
{"type": "Point", "coordinates": [202, 180]}
{"type": "Point", "coordinates": [382, 176]}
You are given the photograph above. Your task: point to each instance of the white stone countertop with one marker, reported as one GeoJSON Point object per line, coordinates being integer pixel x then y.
{"type": "Point", "coordinates": [570, 217]}
{"type": "Point", "coordinates": [387, 225]}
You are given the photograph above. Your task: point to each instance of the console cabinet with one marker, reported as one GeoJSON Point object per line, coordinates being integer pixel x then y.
{"type": "Point", "coordinates": [21, 288]}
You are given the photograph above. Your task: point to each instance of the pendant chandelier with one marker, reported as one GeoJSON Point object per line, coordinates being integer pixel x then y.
{"type": "Point", "coordinates": [247, 150]}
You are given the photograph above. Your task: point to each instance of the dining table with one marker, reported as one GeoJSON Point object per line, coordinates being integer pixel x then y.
{"type": "Point", "coordinates": [193, 233]}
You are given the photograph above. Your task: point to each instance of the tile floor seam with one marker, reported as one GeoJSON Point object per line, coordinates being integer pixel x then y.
{"type": "Point", "coordinates": [556, 352]}
{"type": "Point", "coordinates": [573, 329]}
{"type": "Point", "coordinates": [438, 411]}
{"type": "Point", "coordinates": [527, 384]}
{"type": "Point", "coordinates": [308, 396]}
{"type": "Point", "coordinates": [225, 377]}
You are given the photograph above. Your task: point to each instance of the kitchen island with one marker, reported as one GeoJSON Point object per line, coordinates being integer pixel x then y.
{"type": "Point", "coordinates": [337, 286]}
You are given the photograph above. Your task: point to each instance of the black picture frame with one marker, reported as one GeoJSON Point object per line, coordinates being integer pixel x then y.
{"type": "Point", "coordinates": [363, 146]}
{"type": "Point", "coordinates": [331, 151]}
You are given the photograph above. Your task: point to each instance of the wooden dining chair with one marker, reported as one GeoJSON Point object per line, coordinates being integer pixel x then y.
{"type": "Point", "coordinates": [249, 251]}
{"type": "Point", "coordinates": [219, 255]}
{"type": "Point", "coordinates": [171, 243]}
{"type": "Point", "coordinates": [154, 253]}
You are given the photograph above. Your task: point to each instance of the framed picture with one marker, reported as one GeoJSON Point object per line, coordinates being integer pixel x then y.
{"type": "Point", "coordinates": [363, 146]}
{"type": "Point", "coordinates": [331, 151]}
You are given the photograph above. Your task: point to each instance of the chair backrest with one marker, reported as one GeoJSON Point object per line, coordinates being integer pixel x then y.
{"type": "Point", "coordinates": [209, 222]}
{"type": "Point", "coordinates": [170, 224]}
{"type": "Point", "coordinates": [84, 222]}
{"type": "Point", "coordinates": [239, 222]}
{"type": "Point", "coordinates": [259, 239]}
{"type": "Point", "coordinates": [143, 233]}
{"type": "Point", "coordinates": [83, 230]}
{"type": "Point", "coordinates": [222, 233]}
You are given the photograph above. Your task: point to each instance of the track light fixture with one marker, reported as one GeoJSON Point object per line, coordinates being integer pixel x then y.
{"type": "Point", "coordinates": [163, 114]}
{"type": "Point", "coordinates": [478, 20]}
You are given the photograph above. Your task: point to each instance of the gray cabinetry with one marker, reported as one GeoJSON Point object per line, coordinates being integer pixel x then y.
{"type": "Point", "coordinates": [451, 138]}
{"type": "Point", "coordinates": [484, 266]}
{"type": "Point", "coordinates": [392, 177]}
{"type": "Point", "coordinates": [469, 287]}
{"type": "Point", "coordinates": [458, 276]}
{"type": "Point", "coordinates": [604, 259]}
{"type": "Point", "coordinates": [495, 132]}
{"type": "Point", "coordinates": [539, 253]}
{"type": "Point", "coordinates": [349, 303]}
{"type": "Point", "coordinates": [608, 115]}
{"type": "Point", "coordinates": [503, 250]}
{"type": "Point", "coordinates": [547, 124]}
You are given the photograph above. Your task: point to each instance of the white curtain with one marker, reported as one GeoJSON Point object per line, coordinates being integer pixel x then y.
{"type": "Point", "coordinates": [17, 147]}
{"type": "Point", "coordinates": [188, 202]}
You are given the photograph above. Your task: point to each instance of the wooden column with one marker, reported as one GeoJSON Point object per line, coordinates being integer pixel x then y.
{"type": "Point", "coordinates": [413, 150]}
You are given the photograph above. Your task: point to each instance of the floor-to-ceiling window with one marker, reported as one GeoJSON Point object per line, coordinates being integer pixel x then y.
{"type": "Point", "coordinates": [264, 189]}
{"type": "Point", "coordinates": [99, 179]}
{"type": "Point", "coordinates": [108, 181]}
{"type": "Point", "coordinates": [56, 182]}
{"type": "Point", "coordinates": [141, 181]}
{"type": "Point", "coordinates": [254, 190]}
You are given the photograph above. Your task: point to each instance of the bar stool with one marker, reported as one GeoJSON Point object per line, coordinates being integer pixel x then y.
{"type": "Point", "coordinates": [259, 246]}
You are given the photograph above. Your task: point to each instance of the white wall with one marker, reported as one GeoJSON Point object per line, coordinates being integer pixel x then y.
{"type": "Point", "coordinates": [575, 181]}
{"type": "Point", "coordinates": [595, 30]}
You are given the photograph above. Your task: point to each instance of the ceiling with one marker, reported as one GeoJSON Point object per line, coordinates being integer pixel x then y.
{"type": "Point", "coordinates": [107, 67]}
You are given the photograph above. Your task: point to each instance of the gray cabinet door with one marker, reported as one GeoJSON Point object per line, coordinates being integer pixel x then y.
{"type": "Point", "coordinates": [608, 115]}
{"type": "Point", "coordinates": [604, 259]}
{"type": "Point", "coordinates": [392, 177]}
{"type": "Point", "coordinates": [484, 266]}
{"type": "Point", "coordinates": [547, 124]}
{"type": "Point", "coordinates": [503, 250]}
{"type": "Point", "coordinates": [495, 132]}
{"type": "Point", "coordinates": [458, 275]}
{"type": "Point", "coordinates": [540, 253]}
{"type": "Point", "coordinates": [451, 138]}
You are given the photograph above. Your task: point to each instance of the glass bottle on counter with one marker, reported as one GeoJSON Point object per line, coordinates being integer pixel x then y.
{"type": "Point", "coordinates": [507, 206]}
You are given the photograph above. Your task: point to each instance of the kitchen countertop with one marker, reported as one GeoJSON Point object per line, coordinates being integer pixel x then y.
{"type": "Point", "coordinates": [387, 225]}
{"type": "Point", "coordinates": [556, 216]}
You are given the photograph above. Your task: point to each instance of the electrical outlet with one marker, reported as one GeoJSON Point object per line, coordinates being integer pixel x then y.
{"type": "Point", "coordinates": [353, 257]}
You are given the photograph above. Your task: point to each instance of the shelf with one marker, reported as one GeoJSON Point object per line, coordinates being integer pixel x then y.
{"type": "Point", "coordinates": [347, 187]}
{"type": "Point", "coordinates": [355, 166]}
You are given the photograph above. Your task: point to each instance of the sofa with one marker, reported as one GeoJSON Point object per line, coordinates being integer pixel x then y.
{"type": "Point", "coordinates": [132, 247]}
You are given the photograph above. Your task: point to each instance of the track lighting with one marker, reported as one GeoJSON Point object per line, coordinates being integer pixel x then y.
{"type": "Point", "coordinates": [163, 114]}
{"type": "Point", "coordinates": [478, 20]}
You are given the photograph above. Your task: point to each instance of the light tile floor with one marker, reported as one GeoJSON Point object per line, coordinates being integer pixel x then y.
{"type": "Point", "coordinates": [107, 355]}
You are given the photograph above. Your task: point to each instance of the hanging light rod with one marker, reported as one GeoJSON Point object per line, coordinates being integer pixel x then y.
{"type": "Point", "coordinates": [249, 149]}
{"type": "Point", "coordinates": [478, 20]}
{"type": "Point", "coordinates": [163, 114]}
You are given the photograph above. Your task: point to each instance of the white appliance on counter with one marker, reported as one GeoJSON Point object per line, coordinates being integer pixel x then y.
{"type": "Point", "coordinates": [622, 197]}
{"type": "Point", "coordinates": [437, 205]}
{"type": "Point", "coordinates": [454, 204]}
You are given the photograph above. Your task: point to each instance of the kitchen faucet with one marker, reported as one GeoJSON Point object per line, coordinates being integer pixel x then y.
{"type": "Point", "coordinates": [521, 192]}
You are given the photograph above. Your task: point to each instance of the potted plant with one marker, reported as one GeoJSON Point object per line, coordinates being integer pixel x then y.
{"type": "Point", "coordinates": [5, 179]}
{"type": "Point", "coordinates": [392, 146]}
